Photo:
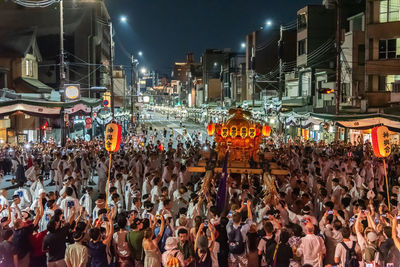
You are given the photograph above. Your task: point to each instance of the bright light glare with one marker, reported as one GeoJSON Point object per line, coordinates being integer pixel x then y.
{"type": "Point", "coordinates": [140, 53]}
{"type": "Point", "coordinates": [243, 45]}
{"type": "Point", "coordinates": [268, 23]}
{"type": "Point", "coordinates": [143, 70]}
{"type": "Point", "coordinates": [27, 146]}
{"type": "Point", "coordinates": [123, 19]}
{"type": "Point", "coordinates": [272, 121]}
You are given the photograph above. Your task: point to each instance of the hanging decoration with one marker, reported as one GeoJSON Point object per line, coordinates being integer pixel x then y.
{"type": "Point", "coordinates": [381, 141]}
{"type": "Point", "coordinates": [113, 137]}
{"type": "Point", "coordinates": [211, 129]}
{"type": "Point", "coordinates": [266, 131]}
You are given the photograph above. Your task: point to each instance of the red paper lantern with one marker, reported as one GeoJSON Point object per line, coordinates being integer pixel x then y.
{"type": "Point", "coordinates": [381, 141]}
{"type": "Point", "coordinates": [211, 129]}
{"type": "Point", "coordinates": [113, 137]}
{"type": "Point", "coordinates": [266, 130]}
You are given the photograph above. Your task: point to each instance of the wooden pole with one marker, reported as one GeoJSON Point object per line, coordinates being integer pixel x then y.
{"type": "Point", "coordinates": [108, 180]}
{"type": "Point", "coordinates": [387, 184]}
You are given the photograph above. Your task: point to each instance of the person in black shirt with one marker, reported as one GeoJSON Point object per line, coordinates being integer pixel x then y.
{"type": "Point", "coordinates": [54, 242]}
{"type": "Point", "coordinates": [284, 252]}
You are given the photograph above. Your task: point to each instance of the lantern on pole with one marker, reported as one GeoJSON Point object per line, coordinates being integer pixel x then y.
{"type": "Point", "coordinates": [211, 129]}
{"type": "Point", "coordinates": [266, 130]}
{"type": "Point", "coordinates": [381, 141]}
{"type": "Point", "coordinates": [113, 137]}
{"type": "Point", "coordinates": [381, 145]}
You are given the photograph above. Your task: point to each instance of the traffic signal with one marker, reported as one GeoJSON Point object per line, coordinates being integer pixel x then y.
{"type": "Point", "coordinates": [326, 90]}
{"type": "Point", "coordinates": [44, 126]}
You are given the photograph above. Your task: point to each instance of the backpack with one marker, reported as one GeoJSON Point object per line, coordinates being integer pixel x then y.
{"type": "Point", "coordinates": [270, 248]}
{"type": "Point", "coordinates": [236, 242]}
{"type": "Point", "coordinates": [351, 256]}
{"type": "Point", "coordinates": [173, 260]}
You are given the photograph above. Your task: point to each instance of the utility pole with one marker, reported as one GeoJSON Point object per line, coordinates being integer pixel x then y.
{"type": "Point", "coordinates": [111, 70]}
{"type": "Point", "coordinates": [133, 85]}
{"type": "Point", "coordinates": [253, 67]}
{"type": "Point", "coordinates": [62, 71]}
{"type": "Point", "coordinates": [338, 52]}
{"type": "Point", "coordinates": [280, 45]}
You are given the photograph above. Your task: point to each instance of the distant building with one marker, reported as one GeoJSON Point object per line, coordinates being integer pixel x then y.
{"type": "Point", "coordinates": [86, 40]}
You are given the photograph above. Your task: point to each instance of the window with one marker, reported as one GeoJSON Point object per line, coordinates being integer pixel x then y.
{"type": "Point", "coordinates": [301, 21]}
{"type": "Point", "coordinates": [389, 10]}
{"type": "Point", "coordinates": [28, 67]}
{"type": "Point", "coordinates": [301, 50]}
{"type": "Point", "coordinates": [389, 48]}
{"type": "Point", "coordinates": [389, 83]}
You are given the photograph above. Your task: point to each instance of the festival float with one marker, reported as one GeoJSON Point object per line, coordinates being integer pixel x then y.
{"type": "Point", "coordinates": [240, 136]}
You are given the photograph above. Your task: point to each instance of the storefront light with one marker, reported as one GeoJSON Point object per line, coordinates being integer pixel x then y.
{"type": "Point", "coordinates": [316, 127]}
{"type": "Point", "coordinates": [272, 121]}
{"type": "Point", "coordinates": [331, 129]}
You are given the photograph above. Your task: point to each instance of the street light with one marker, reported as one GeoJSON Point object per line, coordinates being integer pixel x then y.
{"type": "Point", "coordinates": [243, 45]}
{"type": "Point", "coordinates": [268, 23]}
{"type": "Point", "coordinates": [123, 19]}
{"type": "Point", "coordinates": [143, 70]}
{"type": "Point", "coordinates": [140, 53]}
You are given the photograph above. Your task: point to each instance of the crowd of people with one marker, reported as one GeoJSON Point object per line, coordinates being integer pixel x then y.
{"type": "Point", "coordinates": [328, 208]}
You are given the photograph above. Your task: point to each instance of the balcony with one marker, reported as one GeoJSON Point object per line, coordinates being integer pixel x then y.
{"type": "Point", "coordinates": [382, 99]}
{"type": "Point", "coordinates": [383, 67]}
{"type": "Point", "coordinates": [383, 30]}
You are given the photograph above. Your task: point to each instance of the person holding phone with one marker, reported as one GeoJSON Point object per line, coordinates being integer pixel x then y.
{"type": "Point", "coordinates": [97, 246]}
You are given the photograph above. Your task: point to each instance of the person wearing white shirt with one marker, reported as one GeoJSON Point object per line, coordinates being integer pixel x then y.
{"type": "Point", "coordinates": [101, 170]}
{"type": "Point", "coordinates": [35, 203]}
{"type": "Point", "coordinates": [116, 203]}
{"type": "Point", "coordinates": [69, 203]}
{"type": "Point", "coordinates": [25, 196]}
{"type": "Point", "coordinates": [86, 200]}
{"type": "Point", "coordinates": [36, 187]}
{"type": "Point", "coordinates": [47, 214]}
{"type": "Point", "coordinates": [100, 204]}
{"type": "Point", "coordinates": [312, 248]}
{"type": "Point", "coordinates": [147, 185]}
{"type": "Point", "coordinates": [137, 206]}
{"type": "Point", "coordinates": [156, 192]}
{"type": "Point", "coordinates": [15, 211]}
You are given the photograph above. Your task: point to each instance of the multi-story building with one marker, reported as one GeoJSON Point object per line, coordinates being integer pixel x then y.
{"type": "Point", "coordinates": [269, 52]}
{"type": "Point", "coordinates": [353, 64]}
{"type": "Point", "coordinates": [382, 43]}
{"type": "Point", "coordinates": [86, 40]}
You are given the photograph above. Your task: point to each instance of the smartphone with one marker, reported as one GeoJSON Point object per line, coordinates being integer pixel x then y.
{"type": "Point", "coordinates": [205, 223]}
{"type": "Point", "coordinates": [87, 217]}
{"type": "Point", "coordinates": [245, 203]}
{"type": "Point", "coordinates": [303, 221]}
{"type": "Point", "coordinates": [230, 214]}
{"type": "Point", "coordinates": [266, 217]}
{"type": "Point", "coordinates": [330, 212]}
{"type": "Point", "coordinates": [369, 265]}
{"type": "Point", "coordinates": [383, 215]}
{"type": "Point", "coordinates": [389, 264]}
{"type": "Point", "coordinates": [105, 218]}
{"type": "Point", "coordinates": [146, 216]}
{"type": "Point", "coordinates": [398, 217]}
{"type": "Point", "coordinates": [376, 221]}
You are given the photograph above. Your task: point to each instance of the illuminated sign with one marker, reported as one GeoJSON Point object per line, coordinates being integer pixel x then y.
{"type": "Point", "coordinates": [72, 91]}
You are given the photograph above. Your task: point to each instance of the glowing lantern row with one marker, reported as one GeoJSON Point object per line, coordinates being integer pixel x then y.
{"type": "Point", "coordinates": [113, 137]}
{"type": "Point", "coordinates": [211, 129]}
{"type": "Point", "coordinates": [266, 130]}
{"type": "Point", "coordinates": [381, 141]}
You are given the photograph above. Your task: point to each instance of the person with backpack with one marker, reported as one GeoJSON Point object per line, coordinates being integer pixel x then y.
{"type": "Point", "coordinates": [347, 252]}
{"type": "Point", "coordinates": [172, 257]}
{"type": "Point", "coordinates": [267, 245]}
{"type": "Point", "coordinates": [283, 253]}
{"type": "Point", "coordinates": [388, 251]}
{"type": "Point", "coordinates": [237, 236]}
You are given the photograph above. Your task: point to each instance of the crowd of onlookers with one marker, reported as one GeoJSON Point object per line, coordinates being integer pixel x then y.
{"type": "Point", "coordinates": [330, 208]}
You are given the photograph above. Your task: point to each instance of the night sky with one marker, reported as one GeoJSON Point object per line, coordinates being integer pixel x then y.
{"type": "Point", "coordinates": [165, 30]}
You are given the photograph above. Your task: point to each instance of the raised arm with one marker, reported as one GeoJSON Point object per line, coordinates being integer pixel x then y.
{"type": "Point", "coordinates": [110, 230]}
{"type": "Point", "coordinates": [201, 227]}
{"type": "Point", "coordinates": [161, 232]}
{"type": "Point", "coordinates": [394, 233]}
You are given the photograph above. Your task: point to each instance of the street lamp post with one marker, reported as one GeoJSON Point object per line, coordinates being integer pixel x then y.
{"type": "Point", "coordinates": [111, 70]}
